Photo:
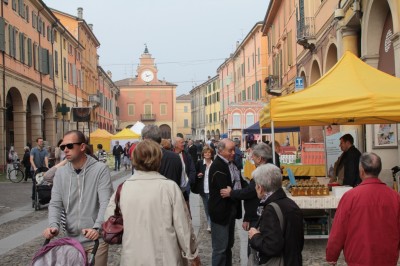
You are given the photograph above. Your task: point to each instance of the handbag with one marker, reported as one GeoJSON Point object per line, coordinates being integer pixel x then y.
{"type": "Point", "coordinates": [113, 229]}
{"type": "Point", "coordinates": [274, 261]}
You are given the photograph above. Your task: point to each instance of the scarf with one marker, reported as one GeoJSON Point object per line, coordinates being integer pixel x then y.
{"type": "Point", "coordinates": [235, 175]}
{"type": "Point", "coordinates": [260, 208]}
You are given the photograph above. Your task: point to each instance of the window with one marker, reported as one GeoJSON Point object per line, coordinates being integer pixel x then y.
{"type": "Point", "coordinates": [27, 13]}
{"type": "Point", "coordinates": [289, 42]}
{"type": "Point", "coordinates": [22, 47]}
{"type": "Point", "coordinates": [29, 44]}
{"type": "Point", "coordinates": [35, 56]}
{"type": "Point", "coordinates": [131, 109]}
{"type": "Point", "coordinates": [185, 123]}
{"type": "Point", "coordinates": [2, 35]}
{"type": "Point", "coordinates": [210, 118]}
{"type": "Point", "coordinates": [249, 119]}
{"type": "Point", "coordinates": [56, 62]}
{"type": "Point", "coordinates": [34, 20]}
{"type": "Point", "coordinates": [236, 120]}
{"type": "Point", "coordinates": [163, 109]}
{"type": "Point", "coordinates": [185, 109]}
{"type": "Point", "coordinates": [65, 68]}
{"type": "Point", "coordinates": [148, 109]}
{"type": "Point", "coordinates": [215, 117]}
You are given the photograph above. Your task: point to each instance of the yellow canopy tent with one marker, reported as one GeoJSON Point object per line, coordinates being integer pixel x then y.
{"type": "Point", "coordinates": [124, 136]}
{"type": "Point", "coordinates": [350, 93]}
{"type": "Point", "coordinates": [101, 136]}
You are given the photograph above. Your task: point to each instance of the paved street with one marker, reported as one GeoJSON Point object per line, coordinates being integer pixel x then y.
{"type": "Point", "coordinates": [21, 227]}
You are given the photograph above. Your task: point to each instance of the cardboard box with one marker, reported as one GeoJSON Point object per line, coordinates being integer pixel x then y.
{"type": "Point", "coordinates": [340, 190]}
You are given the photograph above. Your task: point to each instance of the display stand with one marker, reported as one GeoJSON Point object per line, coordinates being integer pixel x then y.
{"type": "Point", "coordinates": [321, 219]}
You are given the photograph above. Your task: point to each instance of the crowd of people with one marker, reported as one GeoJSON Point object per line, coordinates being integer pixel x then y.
{"type": "Point", "coordinates": [154, 203]}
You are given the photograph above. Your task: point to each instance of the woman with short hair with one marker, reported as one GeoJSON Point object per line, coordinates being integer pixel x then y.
{"type": "Point", "coordinates": [157, 227]}
{"type": "Point", "coordinates": [268, 239]}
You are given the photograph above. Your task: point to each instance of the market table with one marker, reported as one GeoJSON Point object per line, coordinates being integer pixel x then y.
{"type": "Point", "coordinates": [327, 203]}
{"type": "Point", "coordinates": [305, 169]}
{"type": "Point", "coordinates": [297, 169]}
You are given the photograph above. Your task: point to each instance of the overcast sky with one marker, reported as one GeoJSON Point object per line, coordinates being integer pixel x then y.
{"type": "Point", "coordinates": [188, 39]}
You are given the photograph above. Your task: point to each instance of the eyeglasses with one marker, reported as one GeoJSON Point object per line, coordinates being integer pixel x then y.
{"type": "Point", "coordinates": [69, 145]}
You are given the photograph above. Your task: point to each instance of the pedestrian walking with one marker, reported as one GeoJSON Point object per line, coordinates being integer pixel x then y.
{"type": "Point", "coordinates": [27, 163]}
{"type": "Point", "coordinates": [157, 227]}
{"type": "Point", "coordinates": [39, 158]}
{"type": "Point", "coordinates": [127, 157]}
{"type": "Point", "coordinates": [83, 188]}
{"type": "Point", "coordinates": [117, 152]}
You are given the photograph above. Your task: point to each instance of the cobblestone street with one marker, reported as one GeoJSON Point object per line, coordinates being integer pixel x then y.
{"type": "Point", "coordinates": [28, 222]}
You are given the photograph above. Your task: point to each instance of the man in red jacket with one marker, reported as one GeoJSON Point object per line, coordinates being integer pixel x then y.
{"type": "Point", "coordinates": [367, 221]}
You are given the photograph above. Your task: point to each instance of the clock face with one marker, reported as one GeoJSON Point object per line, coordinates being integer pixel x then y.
{"type": "Point", "coordinates": [147, 76]}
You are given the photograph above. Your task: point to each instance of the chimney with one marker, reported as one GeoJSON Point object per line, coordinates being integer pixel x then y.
{"type": "Point", "coordinates": [90, 27]}
{"type": "Point", "coordinates": [109, 73]}
{"type": "Point", "coordinates": [237, 44]}
{"type": "Point", "coordinates": [80, 12]}
{"type": "Point", "coordinates": [209, 77]}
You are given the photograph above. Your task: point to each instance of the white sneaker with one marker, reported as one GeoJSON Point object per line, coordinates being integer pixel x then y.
{"type": "Point", "coordinates": [209, 229]}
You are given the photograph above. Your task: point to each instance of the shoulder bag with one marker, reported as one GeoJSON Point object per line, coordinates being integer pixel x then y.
{"type": "Point", "coordinates": [274, 261]}
{"type": "Point", "coordinates": [113, 228]}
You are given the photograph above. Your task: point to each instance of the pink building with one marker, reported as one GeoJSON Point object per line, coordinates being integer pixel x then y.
{"type": "Point", "coordinates": [242, 87]}
{"type": "Point", "coordinates": [147, 99]}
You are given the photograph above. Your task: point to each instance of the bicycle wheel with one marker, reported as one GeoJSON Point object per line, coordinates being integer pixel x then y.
{"type": "Point", "coordinates": [16, 175]}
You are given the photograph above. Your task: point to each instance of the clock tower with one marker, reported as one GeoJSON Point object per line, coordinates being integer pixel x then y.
{"type": "Point", "coordinates": [147, 70]}
{"type": "Point", "coordinates": [148, 99]}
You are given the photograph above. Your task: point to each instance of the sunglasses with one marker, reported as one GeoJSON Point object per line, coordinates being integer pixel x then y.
{"type": "Point", "coordinates": [70, 146]}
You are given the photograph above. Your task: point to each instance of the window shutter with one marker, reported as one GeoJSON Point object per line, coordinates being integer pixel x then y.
{"type": "Point", "coordinates": [34, 20]}
{"type": "Point", "coordinates": [29, 52]}
{"type": "Point", "coordinates": [14, 5]}
{"type": "Point", "coordinates": [21, 47]}
{"type": "Point", "coordinates": [2, 35]}
{"type": "Point", "coordinates": [65, 68]}
{"type": "Point", "coordinates": [39, 24]}
{"type": "Point", "coordinates": [74, 74]}
{"type": "Point", "coordinates": [51, 66]}
{"type": "Point", "coordinates": [56, 62]}
{"type": "Point", "coordinates": [44, 61]}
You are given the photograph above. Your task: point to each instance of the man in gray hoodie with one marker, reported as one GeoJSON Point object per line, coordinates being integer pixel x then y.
{"type": "Point", "coordinates": [83, 189]}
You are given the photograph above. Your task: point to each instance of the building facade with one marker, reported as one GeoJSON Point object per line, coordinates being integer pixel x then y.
{"type": "Point", "coordinates": [107, 115]}
{"type": "Point", "coordinates": [241, 83]}
{"type": "Point", "coordinates": [87, 59]}
{"type": "Point", "coordinates": [184, 116]}
{"type": "Point", "coordinates": [212, 109]}
{"type": "Point", "coordinates": [198, 95]}
{"type": "Point", "coordinates": [27, 94]}
{"type": "Point", "coordinates": [147, 99]}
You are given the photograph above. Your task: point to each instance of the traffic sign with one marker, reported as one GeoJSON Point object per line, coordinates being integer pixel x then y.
{"type": "Point", "coordinates": [299, 83]}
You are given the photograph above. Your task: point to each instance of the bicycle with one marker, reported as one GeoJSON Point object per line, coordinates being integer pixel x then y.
{"type": "Point", "coordinates": [15, 174]}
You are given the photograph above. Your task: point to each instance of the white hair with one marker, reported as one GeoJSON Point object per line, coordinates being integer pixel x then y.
{"type": "Point", "coordinates": [268, 176]}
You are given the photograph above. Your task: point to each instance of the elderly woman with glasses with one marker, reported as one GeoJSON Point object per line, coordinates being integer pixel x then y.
{"type": "Point", "coordinates": [157, 227]}
{"type": "Point", "coordinates": [267, 238]}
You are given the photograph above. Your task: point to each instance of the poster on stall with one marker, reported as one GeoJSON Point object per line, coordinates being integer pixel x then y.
{"type": "Point", "coordinates": [333, 150]}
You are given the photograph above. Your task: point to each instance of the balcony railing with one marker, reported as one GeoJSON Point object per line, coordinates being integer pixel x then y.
{"type": "Point", "coordinates": [148, 117]}
{"type": "Point", "coordinates": [306, 28]}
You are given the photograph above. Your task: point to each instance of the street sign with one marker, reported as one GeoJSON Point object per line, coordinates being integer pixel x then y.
{"type": "Point", "coordinates": [299, 83]}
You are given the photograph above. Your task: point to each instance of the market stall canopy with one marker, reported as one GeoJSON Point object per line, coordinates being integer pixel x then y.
{"type": "Point", "coordinates": [137, 127]}
{"type": "Point", "coordinates": [350, 93]}
{"type": "Point", "coordinates": [100, 136]}
{"type": "Point", "coordinates": [255, 129]}
{"type": "Point", "coordinates": [126, 133]}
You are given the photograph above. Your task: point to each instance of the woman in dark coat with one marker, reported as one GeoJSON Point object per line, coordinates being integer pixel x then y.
{"type": "Point", "coordinates": [268, 239]}
{"type": "Point", "coordinates": [27, 163]}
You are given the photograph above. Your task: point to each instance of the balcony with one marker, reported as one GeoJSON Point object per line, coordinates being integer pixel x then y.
{"type": "Point", "coordinates": [94, 100]}
{"type": "Point", "coordinates": [306, 32]}
{"type": "Point", "coordinates": [148, 117]}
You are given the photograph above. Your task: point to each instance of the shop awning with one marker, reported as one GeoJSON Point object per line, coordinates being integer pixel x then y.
{"type": "Point", "coordinates": [255, 129]}
{"type": "Point", "coordinates": [350, 93]}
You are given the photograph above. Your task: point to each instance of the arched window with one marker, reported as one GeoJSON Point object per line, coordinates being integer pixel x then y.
{"type": "Point", "coordinates": [236, 120]}
{"type": "Point", "coordinates": [249, 119]}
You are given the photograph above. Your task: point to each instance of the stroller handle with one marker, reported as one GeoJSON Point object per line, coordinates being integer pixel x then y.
{"type": "Point", "coordinates": [92, 255]}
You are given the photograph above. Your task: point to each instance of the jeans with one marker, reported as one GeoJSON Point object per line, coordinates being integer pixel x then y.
{"type": "Point", "coordinates": [205, 198]}
{"type": "Point", "coordinates": [117, 162]}
{"type": "Point", "coordinates": [223, 238]}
